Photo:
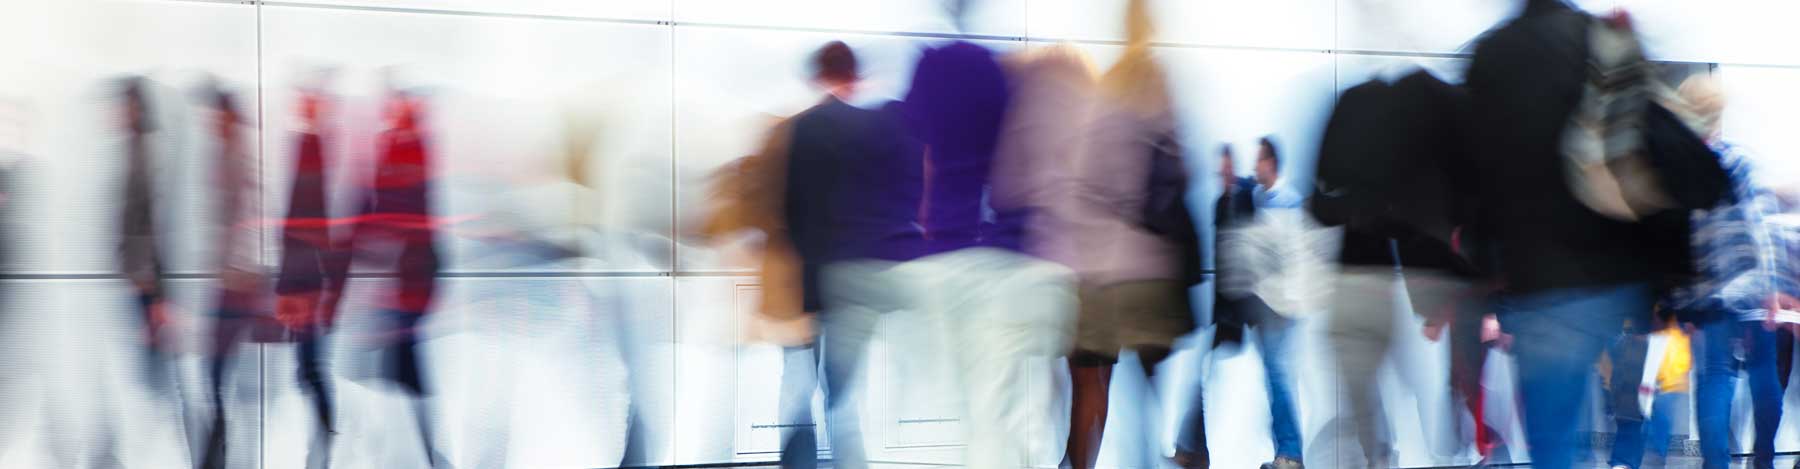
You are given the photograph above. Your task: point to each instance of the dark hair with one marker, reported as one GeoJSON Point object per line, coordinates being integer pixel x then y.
{"type": "Point", "coordinates": [226, 102]}
{"type": "Point", "coordinates": [132, 92]}
{"type": "Point", "coordinates": [1268, 145]}
{"type": "Point", "coordinates": [1224, 150]}
{"type": "Point", "coordinates": [834, 62]}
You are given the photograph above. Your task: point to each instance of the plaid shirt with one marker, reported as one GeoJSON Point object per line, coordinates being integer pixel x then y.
{"type": "Point", "coordinates": [1742, 258]}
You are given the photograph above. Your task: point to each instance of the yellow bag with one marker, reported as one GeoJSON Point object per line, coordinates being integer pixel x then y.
{"type": "Point", "coordinates": [1678, 360]}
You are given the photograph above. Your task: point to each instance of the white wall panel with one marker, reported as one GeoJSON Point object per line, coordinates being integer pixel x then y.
{"type": "Point", "coordinates": [1763, 105]}
{"type": "Point", "coordinates": [67, 138]}
{"type": "Point", "coordinates": [1443, 26]}
{"type": "Point", "coordinates": [504, 96]}
{"type": "Point", "coordinates": [1271, 23]}
{"type": "Point", "coordinates": [1741, 31]}
{"type": "Point", "coordinates": [629, 10]}
{"type": "Point", "coordinates": [984, 17]}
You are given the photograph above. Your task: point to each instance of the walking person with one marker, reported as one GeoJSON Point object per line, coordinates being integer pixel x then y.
{"type": "Point", "coordinates": [1745, 279]}
{"type": "Point", "coordinates": [1130, 181]}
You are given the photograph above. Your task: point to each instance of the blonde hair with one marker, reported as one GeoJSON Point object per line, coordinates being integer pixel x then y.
{"type": "Point", "coordinates": [1705, 98]}
{"type": "Point", "coordinates": [1137, 82]}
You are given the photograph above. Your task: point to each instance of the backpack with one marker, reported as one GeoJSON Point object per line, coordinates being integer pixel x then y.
{"type": "Point", "coordinates": [1166, 211]}
{"type": "Point", "coordinates": [1630, 148]}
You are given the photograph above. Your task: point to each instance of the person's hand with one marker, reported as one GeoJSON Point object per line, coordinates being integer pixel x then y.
{"type": "Point", "coordinates": [296, 310]}
{"type": "Point", "coordinates": [159, 314]}
{"type": "Point", "coordinates": [1777, 303]}
{"type": "Point", "coordinates": [1492, 334]}
{"type": "Point", "coordinates": [1434, 329]}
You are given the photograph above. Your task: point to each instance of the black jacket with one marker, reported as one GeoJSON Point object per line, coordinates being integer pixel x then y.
{"type": "Point", "coordinates": [1525, 81]}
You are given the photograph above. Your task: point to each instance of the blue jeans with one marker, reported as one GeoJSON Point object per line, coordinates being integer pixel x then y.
{"type": "Point", "coordinates": [1558, 334]}
{"type": "Point", "coordinates": [799, 379]}
{"type": "Point", "coordinates": [1272, 334]}
{"type": "Point", "coordinates": [1719, 342]}
{"type": "Point", "coordinates": [1630, 434]}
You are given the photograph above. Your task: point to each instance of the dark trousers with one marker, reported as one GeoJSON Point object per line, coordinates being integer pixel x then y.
{"type": "Point", "coordinates": [227, 333]}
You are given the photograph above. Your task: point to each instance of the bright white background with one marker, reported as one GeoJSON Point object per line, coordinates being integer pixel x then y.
{"type": "Point", "coordinates": [526, 351]}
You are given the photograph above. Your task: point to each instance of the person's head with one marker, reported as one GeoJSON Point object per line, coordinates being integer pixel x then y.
{"type": "Point", "coordinates": [1706, 98]}
{"type": "Point", "coordinates": [225, 113]}
{"type": "Point", "coordinates": [1268, 162]}
{"type": "Point", "coordinates": [403, 111]}
{"type": "Point", "coordinates": [834, 68]}
{"type": "Point", "coordinates": [134, 109]}
{"type": "Point", "coordinates": [1227, 169]}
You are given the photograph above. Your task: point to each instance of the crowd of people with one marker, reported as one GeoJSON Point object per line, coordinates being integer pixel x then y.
{"type": "Point", "coordinates": [1562, 203]}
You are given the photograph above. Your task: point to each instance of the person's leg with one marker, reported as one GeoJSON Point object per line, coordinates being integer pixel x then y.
{"type": "Point", "coordinates": [856, 294]}
{"type": "Point", "coordinates": [1713, 394]}
{"type": "Point", "coordinates": [1023, 314]}
{"type": "Point", "coordinates": [1661, 425]}
{"type": "Point", "coordinates": [1468, 361]}
{"type": "Point", "coordinates": [1765, 390]}
{"type": "Point", "coordinates": [1559, 334]}
{"type": "Point", "coordinates": [799, 379]}
{"type": "Point", "coordinates": [1627, 355]}
{"type": "Point", "coordinates": [1628, 444]}
{"type": "Point", "coordinates": [310, 354]}
{"type": "Point", "coordinates": [226, 331]}
{"type": "Point", "coordinates": [1359, 334]}
{"type": "Point", "coordinates": [1273, 334]}
{"type": "Point", "coordinates": [1090, 378]}
{"type": "Point", "coordinates": [1784, 359]}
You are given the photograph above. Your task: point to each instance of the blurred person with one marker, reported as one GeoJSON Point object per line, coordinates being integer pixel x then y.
{"type": "Point", "coordinates": [1637, 369]}
{"type": "Point", "coordinates": [1573, 274]}
{"type": "Point", "coordinates": [1038, 184]}
{"type": "Point", "coordinates": [1272, 327]}
{"type": "Point", "coordinates": [140, 250]}
{"type": "Point", "coordinates": [849, 203]}
{"type": "Point", "coordinates": [1000, 310]}
{"type": "Point", "coordinates": [1269, 192]}
{"type": "Point", "coordinates": [307, 291]}
{"type": "Point", "coordinates": [1235, 207]}
{"type": "Point", "coordinates": [141, 258]}
{"type": "Point", "coordinates": [1474, 331]}
{"type": "Point", "coordinates": [1131, 184]}
{"type": "Point", "coordinates": [745, 198]}
{"type": "Point", "coordinates": [1746, 279]}
{"type": "Point", "coordinates": [236, 237]}
{"type": "Point", "coordinates": [394, 228]}
{"type": "Point", "coordinates": [1391, 173]}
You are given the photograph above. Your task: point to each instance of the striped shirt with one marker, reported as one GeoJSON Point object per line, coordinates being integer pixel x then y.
{"type": "Point", "coordinates": [1741, 257]}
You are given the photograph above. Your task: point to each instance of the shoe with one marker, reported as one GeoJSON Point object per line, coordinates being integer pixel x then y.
{"type": "Point", "coordinates": [1189, 460]}
{"type": "Point", "coordinates": [1283, 463]}
{"type": "Point", "coordinates": [1621, 466]}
